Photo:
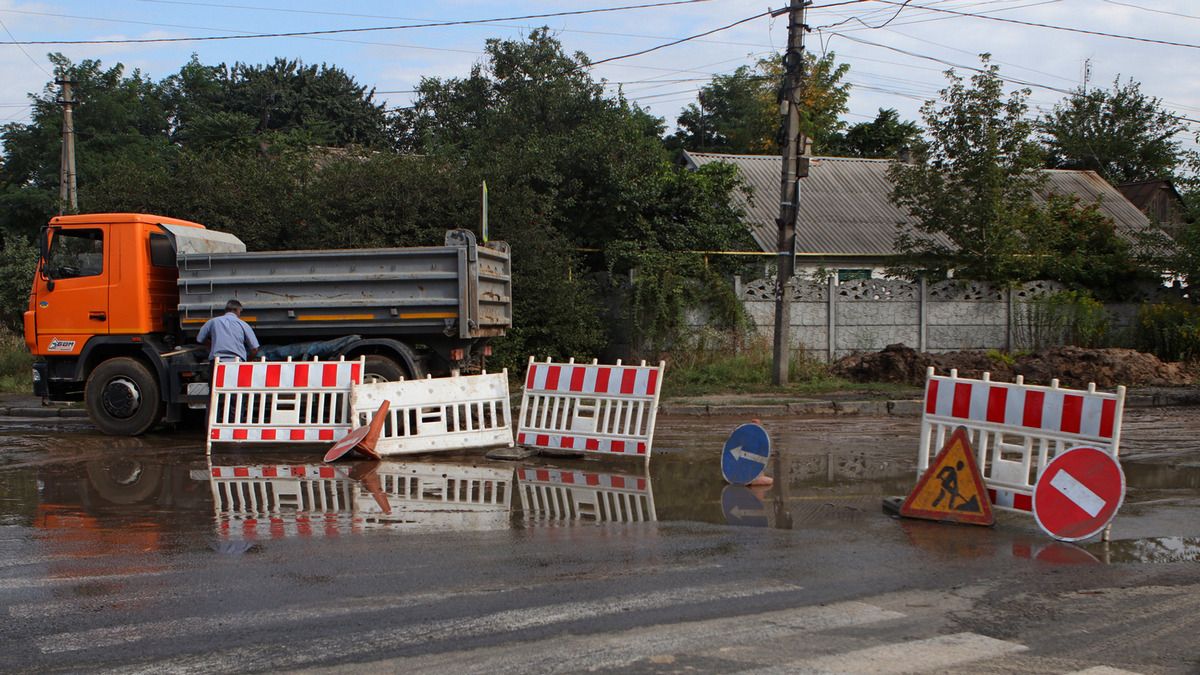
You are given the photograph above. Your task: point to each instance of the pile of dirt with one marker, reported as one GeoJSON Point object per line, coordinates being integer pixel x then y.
{"type": "Point", "coordinates": [1072, 366]}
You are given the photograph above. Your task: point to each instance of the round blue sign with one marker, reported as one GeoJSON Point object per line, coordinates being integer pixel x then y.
{"type": "Point", "coordinates": [745, 455]}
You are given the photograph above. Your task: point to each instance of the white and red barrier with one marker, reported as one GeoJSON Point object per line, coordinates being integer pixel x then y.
{"type": "Point", "coordinates": [1015, 429]}
{"type": "Point", "coordinates": [281, 401]}
{"type": "Point", "coordinates": [433, 415]}
{"type": "Point", "coordinates": [590, 408]}
{"type": "Point", "coordinates": [564, 495]}
{"type": "Point", "coordinates": [280, 501]}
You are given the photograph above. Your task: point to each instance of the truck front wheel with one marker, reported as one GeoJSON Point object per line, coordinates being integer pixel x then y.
{"type": "Point", "coordinates": [123, 398]}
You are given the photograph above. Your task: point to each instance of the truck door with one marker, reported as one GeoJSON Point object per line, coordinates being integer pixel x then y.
{"type": "Point", "coordinates": [72, 290]}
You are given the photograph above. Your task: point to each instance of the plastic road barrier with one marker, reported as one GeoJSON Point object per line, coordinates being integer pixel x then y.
{"type": "Point", "coordinates": [431, 415]}
{"type": "Point", "coordinates": [1017, 429]}
{"type": "Point", "coordinates": [590, 408]}
{"type": "Point", "coordinates": [558, 495]}
{"type": "Point", "coordinates": [279, 501]}
{"type": "Point", "coordinates": [281, 401]}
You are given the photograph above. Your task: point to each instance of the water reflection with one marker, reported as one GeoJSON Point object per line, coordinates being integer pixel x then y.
{"type": "Point", "coordinates": [272, 501]}
{"type": "Point", "coordinates": [1151, 550]}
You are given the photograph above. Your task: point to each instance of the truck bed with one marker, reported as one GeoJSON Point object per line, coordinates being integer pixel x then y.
{"type": "Point", "coordinates": [460, 290]}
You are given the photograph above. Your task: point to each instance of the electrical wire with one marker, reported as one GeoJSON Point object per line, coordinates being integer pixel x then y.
{"type": "Point", "coordinates": [31, 59]}
{"type": "Point", "coordinates": [1156, 11]}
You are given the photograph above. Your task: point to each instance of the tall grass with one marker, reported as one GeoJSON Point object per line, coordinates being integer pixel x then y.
{"type": "Point", "coordinates": [16, 364]}
{"type": "Point", "coordinates": [712, 367]}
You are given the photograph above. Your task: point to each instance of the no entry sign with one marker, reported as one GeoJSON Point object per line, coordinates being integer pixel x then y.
{"type": "Point", "coordinates": [1078, 494]}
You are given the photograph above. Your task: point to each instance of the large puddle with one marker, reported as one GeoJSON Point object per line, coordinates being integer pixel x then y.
{"type": "Point", "coordinates": [96, 495]}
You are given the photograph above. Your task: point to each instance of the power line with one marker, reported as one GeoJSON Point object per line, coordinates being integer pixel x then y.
{"type": "Point", "coordinates": [1156, 11]}
{"type": "Point", "coordinates": [31, 59]}
{"type": "Point", "coordinates": [1050, 26]}
{"type": "Point", "coordinates": [682, 40]}
{"type": "Point", "coordinates": [337, 31]}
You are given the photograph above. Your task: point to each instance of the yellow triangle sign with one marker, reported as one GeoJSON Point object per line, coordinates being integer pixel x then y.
{"type": "Point", "coordinates": [951, 489]}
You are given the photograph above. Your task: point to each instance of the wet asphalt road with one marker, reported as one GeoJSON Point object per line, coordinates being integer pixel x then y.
{"type": "Point", "coordinates": [125, 555]}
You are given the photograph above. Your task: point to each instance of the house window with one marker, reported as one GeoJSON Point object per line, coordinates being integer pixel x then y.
{"type": "Point", "coordinates": [852, 275]}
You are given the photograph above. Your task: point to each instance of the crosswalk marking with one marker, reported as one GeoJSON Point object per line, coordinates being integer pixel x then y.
{"type": "Point", "coordinates": [915, 656]}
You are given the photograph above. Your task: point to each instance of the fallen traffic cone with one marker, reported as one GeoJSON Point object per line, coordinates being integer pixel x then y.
{"type": "Point", "coordinates": [362, 439]}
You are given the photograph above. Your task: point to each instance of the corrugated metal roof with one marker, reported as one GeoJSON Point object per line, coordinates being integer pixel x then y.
{"type": "Point", "coordinates": [845, 210]}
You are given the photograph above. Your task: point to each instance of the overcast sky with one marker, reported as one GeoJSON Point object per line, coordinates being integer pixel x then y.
{"type": "Point", "coordinates": [895, 66]}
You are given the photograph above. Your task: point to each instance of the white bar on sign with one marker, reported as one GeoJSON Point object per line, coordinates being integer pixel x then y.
{"type": "Point", "coordinates": [1077, 492]}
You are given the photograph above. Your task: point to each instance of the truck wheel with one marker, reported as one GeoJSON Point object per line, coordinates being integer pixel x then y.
{"type": "Point", "coordinates": [382, 369]}
{"type": "Point", "coordinates": [123, 398]}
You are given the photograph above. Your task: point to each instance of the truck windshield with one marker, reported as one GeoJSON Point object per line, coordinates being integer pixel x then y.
{"type": "Point", "coordinates": [75, 253]}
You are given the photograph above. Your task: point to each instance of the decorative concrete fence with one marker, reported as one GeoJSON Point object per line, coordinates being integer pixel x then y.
{"type": "Point", "coordinates": [830, 320]}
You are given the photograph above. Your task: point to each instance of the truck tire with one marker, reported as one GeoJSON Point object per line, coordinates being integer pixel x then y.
{"type": "Point", "coordinates": [123, 398]}
{"type": "Point", "coordinates": [382, 369]}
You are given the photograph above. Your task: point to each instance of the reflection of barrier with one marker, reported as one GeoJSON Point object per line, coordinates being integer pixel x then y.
{"type": "Point", "coordinates": [1016, 429]}
{"type": "Point", "coordinates": [590, 408]}
{"type": "Point", "coordinates": [556, 495]}
{"type": "Point", "coordinates": [277, 501]}
{"type": "Point", "coordinates": [281, 401]}
{"type": "Point", "coordinates": [450, 413]}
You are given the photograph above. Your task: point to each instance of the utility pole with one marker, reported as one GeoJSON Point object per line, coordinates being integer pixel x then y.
{"type": "Point", "coordinates": [66, 172]}
{"type": "Point", "coordinates": [794, 167]}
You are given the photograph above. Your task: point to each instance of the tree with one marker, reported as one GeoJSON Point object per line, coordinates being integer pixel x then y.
{"type": "Point", "coordinates": [972, 185]}
{"type": "Point", "coordinates": [1123, 134]}
{"type": "Point", "coordinates": [739, 113]}
{"type": "Point", "coordinates": [882, 137]}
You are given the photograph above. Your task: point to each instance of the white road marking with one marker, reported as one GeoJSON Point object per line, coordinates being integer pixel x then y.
{"type": "Point", "coordinates": [30, 582]}
{"type": "Point", "coordinates": [1077, 492]}
{"type": "Point", "coordinates": [916, 656]}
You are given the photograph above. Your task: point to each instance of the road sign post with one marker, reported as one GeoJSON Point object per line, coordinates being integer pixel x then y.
{"type": "Point", "coordinates": [1078, 493]}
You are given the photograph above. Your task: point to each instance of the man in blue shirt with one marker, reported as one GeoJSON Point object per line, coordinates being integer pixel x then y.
{"type": "Point", "coordinates": [227, 336]}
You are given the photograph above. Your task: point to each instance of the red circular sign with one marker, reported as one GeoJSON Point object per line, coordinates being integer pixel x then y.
{"type": "Point", "coordinates": [1078, 494]}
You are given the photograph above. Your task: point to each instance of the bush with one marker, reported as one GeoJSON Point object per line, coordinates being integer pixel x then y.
{"type": "Point", "coordinates": [15, 363]}
{"type": "Point", "coordinates": [1169, 330]}
{"type": "Point", "coordinates": [1064, 318]}
{"type": "Point", "coordinates": [749, 369]}
{"type": "Point", "coordinates": [17, 263]}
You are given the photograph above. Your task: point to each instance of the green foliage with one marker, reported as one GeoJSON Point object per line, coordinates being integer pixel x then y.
{"type": "Point", "coordinates": [16, 363]}
{"type": "Point", "coordinates": [703, 370]}
{"type": "Point", "coordinates": [882, 137]}
{"type": "Point", "coordinates": [1005, 358]}
{"type": "Point", "coordinates": [1064, 318]}
{"type": "Point", "coordinates": [739, 113]}
{"type": "Point", "coordinates": [17, 263]}
{"type": "Point", "coordinates": [1169, 330]}
{"type": "Point", "coordinates": [1123, 134]}
{"type": "Point", "coordinates": [972, 185]}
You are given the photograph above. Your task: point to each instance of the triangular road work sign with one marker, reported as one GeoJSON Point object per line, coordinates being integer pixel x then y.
{"type": "Point", "coordinates": [951, 489]}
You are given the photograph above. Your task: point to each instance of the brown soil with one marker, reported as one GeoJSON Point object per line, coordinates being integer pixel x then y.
{"type": "Point", "coordinates": [1072, 366]}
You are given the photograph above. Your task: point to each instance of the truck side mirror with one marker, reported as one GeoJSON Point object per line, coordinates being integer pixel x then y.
{"type": "Point", "coordinates": [43, 255]}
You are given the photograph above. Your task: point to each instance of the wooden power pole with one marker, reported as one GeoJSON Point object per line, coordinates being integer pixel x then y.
{"type": "Point", "coordinates": [794, 167]}
{"type": "Point", "coordinates": [66, 172]}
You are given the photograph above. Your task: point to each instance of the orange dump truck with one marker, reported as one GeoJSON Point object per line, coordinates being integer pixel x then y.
{"type": "Point", "coordinates": [118, 299]}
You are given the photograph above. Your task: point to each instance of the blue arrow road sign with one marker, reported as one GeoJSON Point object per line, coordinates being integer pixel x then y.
{"type": "Point", "coordinates": [745, 455]}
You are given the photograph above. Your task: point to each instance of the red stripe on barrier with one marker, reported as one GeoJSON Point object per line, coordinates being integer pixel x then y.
{"type": "Point", "coordinates": [220, 376]}
{"type": "Point", "coordinates": [297, 434]}
{"type": "Point", "coordinates": [268, 434]}
{"type": "Point", "coordinates": [1023, 502]}
{"type": "Point", "coordinates": [521, 439]}
{"type": "Point", "coordinates": [329, 375]}
{"type": "Point", "coordinates": [325, 472]}
{"type": "Point", "coordinates": [628, 378]}
{"type": "Point", "coordinates": [592, 444]}
{"type": "Point", "coordinates": [552, 375]}
{"type": "Point", "coordinates": [241, 472]}
{"type": "Point", "coordinates": [541, 439]}
{"type": "Point", "coordinates": [239, 434]}
{"type": "Point", "coordinates": [1108, 411]}
{"type": "Point", "coordinates": [356, 373]}
{"type": "Point", "coordinates": [530, 375]}
{"type": "Point", "coordinates": [931, 398]}
{"type": "Point", "coordinates": [568, 442]}
{"type": "Point", "coordinates": [568, 478]}
{"type": "Point", "coordinates": [602, 375]}
{"type": "Point", "coordinates": [641, 484]}
{"type": "Point", "coordinates": [641, 448]}
{"type": "Point", "coordinates": [245, 375]}
{"type": "Point", "coordinates": [618, 482]}
{"type": "Point", "coordinates": [543, 475]}
{"type": "Point", "coordinates": [652, 382]}
{"type": "Point", "coordinates": [1072, 413]}
{"type": "Point", "coordinates": [962, 400]}
{"type": "Point", "coordinates": [592, 479]}
{"type": "Point", "coordinates": [298, 472]}
{"type": "Point", "coordinates": [216, 472]}
{"type": "Point", "coordinates": [577, 377]}
{"type": "Point", "coordinates": [269, 472]}
{"type": "Point", "coordinates": [325, 435]}
{"type": "Point", "coordinates": [997, 403]}
{"type": "Point", "coordinates": [1033, 409]}
{"type": "Point", "coordinates": [273, 372]}
{"type": "Point", "coordinates": [300, 375]}
{"type": "Point", "coordinates": [215, 434]}
{"type": "Point", "coordinates": [617, 446]}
